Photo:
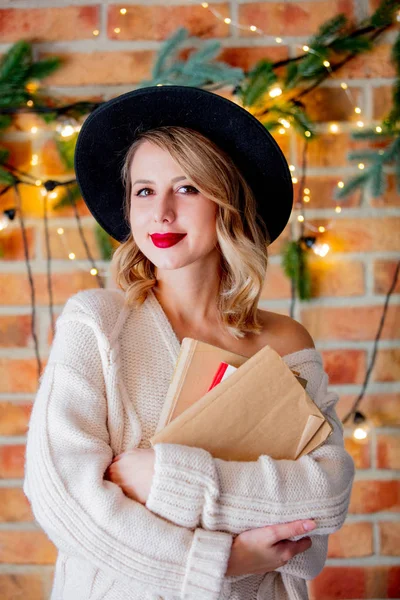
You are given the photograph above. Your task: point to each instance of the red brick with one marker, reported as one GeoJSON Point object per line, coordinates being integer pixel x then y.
{"type": "Point", "coordinates": [160, 22]}
{"type": "Point", "coordinates": [390, 197]}
{"type": "Point", "coordinates": [388, 451]}
{"type": "Point", "coordinates": [338, 582]}
{"type": "Point", "coordinates": [389, 538]}
{"type": "Point", "coordinates": [103, 68]}
{"type": "Point", "coordinates": [247, 56]}
{"type": "Point", "coordinates": [15, 586]}
{"type": "Point", "coordinates": [378, 581]}
{"type": "Point", "coordinates": [361, 234]}
{"type": "Point", "coordinates": [19, 375]}
{"type": "Point", "coordinates": [370, 496]}
{"type": "Point", "coordinates": [380, 409]}
{"type": "Point", "coordinates": [359, 451]}
{"type": "Point", "coordinates": [322, 189]}
{"type": "Point", "coordinates": [14, 417]}
{"type": "Point", "coordinates": [12, 461]}
{"type": "Point", "coordinates": [384, 271]}
{"type": "Point", "coordinates": [387, 364]}
{"type": "Point", "coordinates": [71, 241]}
{"type": "Point", "coordinates": [344, 366]}
{"type": "Point", "coordinates": [350, 323]}
{"type": "Point", "coordinates": [12, 246]}
{"type": "Point", "coordinates": [48, 24]}
{"type": "Point", "coordinates": [331, 104]}
{"type": "Point", "coordinates": [15, 331]}
{"type": "Point", "coordinates": [353, 539]}
{"type": "Point", "coordinates": [276, 285]}
{"type": "Point", "coordinates": [375, 63]}
{"type": "Point", "coordinates": [332, 150]}
{"type": "Point", "coordinates": [290, 18]}
{"type": "Point", "coordinates": [382, 101]}
{"type": "Point", "coordinates": [332, 277]}
{"type": "Point", "coordinates": [64, 285]}
{"type": "Point", "coordinates": [14, 506]}
{"type": "Point", "coordinates": [26, 547]}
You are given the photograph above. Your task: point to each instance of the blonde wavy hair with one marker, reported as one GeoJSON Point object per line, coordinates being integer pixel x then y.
{"type": "Point", "coordinates": [242, 237]}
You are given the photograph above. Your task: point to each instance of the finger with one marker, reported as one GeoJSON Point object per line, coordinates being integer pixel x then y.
{"type": "Point", "coordinates": [283, 531]}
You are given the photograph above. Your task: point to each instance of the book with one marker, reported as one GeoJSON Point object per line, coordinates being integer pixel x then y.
{"type": "Point", "coordinates": [261, 408]}
{"type": "Point", "coordinates": [223, 371]}
{"type": "Point", "coordinates": [195, 367]}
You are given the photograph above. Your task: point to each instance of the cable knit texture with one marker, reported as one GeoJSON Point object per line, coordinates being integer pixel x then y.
{"type": "Point", "coordinates": [100, 394]}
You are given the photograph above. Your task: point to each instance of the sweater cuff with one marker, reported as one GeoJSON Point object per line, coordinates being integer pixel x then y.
{"type": "Point", "coordinates": [206, 566]}
{"type": "Point", "coordinates": [180, 478]}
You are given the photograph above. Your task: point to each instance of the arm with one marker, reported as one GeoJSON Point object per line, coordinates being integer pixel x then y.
{"type": "Point", "coordinates": [67, 454]}
{"type": "Point", "coordinates": [192, 488]}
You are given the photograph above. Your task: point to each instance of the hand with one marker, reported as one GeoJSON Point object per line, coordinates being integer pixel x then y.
{"type": "Point", "coordinates": [264, 549]}
{"type": "Point", "coordinates": [133, 471]}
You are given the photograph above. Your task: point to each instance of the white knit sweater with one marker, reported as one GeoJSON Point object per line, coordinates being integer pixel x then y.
{"type": "Point", "coordinates": [100, 394]}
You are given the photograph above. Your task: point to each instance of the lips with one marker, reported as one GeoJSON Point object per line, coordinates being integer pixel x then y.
{"type": "Point", "coordinates": [166, 240]}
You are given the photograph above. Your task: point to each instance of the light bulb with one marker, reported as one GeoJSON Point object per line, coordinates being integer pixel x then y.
{"type": "Point", "coordinates": [361, 427]}
{"type": "Point", "coordinates": [275, 92]}
{"type": "Point", "coordinates": [3, 222]}
{"type": "Point", "coordinates": [321, 249]}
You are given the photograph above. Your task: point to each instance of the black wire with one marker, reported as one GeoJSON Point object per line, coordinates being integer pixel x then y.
{"type": "Point", "coordinates": [361, 394]}
{"type": "Point", "coordinates": [48, 260]}
{"type": "Point", "coordinates": [88, 253]}
{"type": "Point", "coordinates": [31, 283]}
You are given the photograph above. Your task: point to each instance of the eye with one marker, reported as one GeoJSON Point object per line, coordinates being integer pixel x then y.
{"type": "Point", "coordinates": [182, 187]}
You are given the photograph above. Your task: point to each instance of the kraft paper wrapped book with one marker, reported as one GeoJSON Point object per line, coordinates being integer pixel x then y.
{"type": "Point", "coordinates": [261, 408]}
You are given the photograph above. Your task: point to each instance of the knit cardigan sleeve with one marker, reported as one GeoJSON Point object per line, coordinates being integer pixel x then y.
{"type": "Point", "coordinates": [67, 453]}
{"type": "Point", "coordinates": [191, 488]}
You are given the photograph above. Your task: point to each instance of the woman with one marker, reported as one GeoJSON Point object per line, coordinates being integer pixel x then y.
{"type": "Point", "coordinates": [136, 522]}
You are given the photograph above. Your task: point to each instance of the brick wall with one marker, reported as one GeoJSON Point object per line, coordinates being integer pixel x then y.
{"type": "Point", "coordinates": [349, 284]}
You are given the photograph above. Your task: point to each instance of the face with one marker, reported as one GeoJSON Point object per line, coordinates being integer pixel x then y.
{"type": "Point", "coordinates": [164, 200]}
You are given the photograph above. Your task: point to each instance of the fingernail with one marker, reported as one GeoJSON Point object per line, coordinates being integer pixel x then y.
{"type": "Point", "coordinates": [308, 525]}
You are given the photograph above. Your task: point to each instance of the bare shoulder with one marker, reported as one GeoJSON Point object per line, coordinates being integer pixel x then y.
{"type": "Point", "coordinates": [284, 334]}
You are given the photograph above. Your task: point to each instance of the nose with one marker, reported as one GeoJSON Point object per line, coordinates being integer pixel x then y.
{"type": "Point", "coordinates": [163, 208]}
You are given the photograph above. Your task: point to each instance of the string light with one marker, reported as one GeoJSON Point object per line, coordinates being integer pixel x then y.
{"type": "Point", "coordinates": [321, 249]}
{"type": "Point", "coordinates": [275, 92]}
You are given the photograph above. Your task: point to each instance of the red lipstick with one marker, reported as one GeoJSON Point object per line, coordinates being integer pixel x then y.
{"type": "Point", "coordinates": [165, 240]}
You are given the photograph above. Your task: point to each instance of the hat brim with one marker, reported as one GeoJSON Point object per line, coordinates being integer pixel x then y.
{"type": "Point", "coordinates": [108, 132]}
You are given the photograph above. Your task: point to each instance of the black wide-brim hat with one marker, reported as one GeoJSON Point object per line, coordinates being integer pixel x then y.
{"type": "Point", "coordinates": [109, 130]}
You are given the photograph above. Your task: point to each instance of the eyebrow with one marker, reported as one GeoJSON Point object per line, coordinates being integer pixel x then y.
{"type": "Point", "coordinates": [149, 181]}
